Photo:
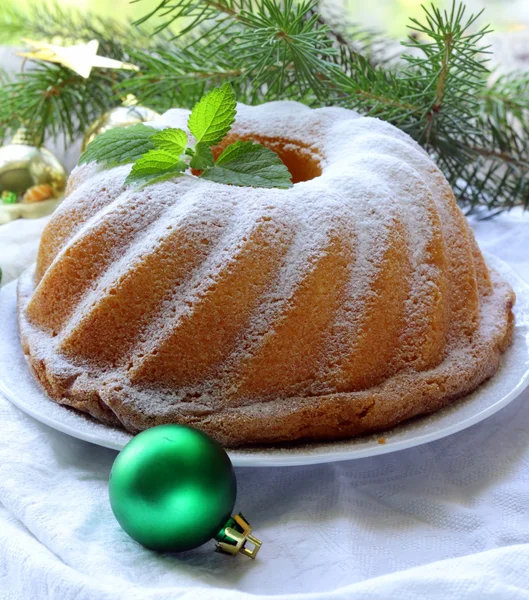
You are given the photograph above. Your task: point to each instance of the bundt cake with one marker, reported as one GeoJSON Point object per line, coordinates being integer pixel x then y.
{"type": "Point", "coordinates": [346, 304]}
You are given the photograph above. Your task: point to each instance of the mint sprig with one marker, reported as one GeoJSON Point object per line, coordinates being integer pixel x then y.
{"type": "Point", "coordinates": [159, 155]}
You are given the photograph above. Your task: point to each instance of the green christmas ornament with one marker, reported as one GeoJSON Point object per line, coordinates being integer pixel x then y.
{"type": "Point", "coordinates": [173, 488]}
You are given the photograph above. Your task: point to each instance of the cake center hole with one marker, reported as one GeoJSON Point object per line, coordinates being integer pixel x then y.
{"type": "Point", "coordinates": [301, 160]}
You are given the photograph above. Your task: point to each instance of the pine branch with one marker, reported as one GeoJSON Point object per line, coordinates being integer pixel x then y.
{"type": "Point", "coordinates": [450, 66]}
{"type": "Point", "coordinates": [371, 89]}
{"type": "Point", "coordinates": [507, 100]}
{"type": "Point", "coordinates": [499, 168]}
{"type": "Point", "coordinates": [180, 77]}
{"type": "Point", "coordinates": [275, 46]}
{"type": "Point", "coordinates": [272, 49]}
{"type": "Point", "coordinates": [351, 36]}
{"type": "Point", "coordinates": [478, 135]}
{"type": "Point", "coordinates": [52, 100]}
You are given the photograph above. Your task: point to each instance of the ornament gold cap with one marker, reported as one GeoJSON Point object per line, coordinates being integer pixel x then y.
{"type": "Point", "coordinates": [234, 536]}
{"type": "Point", "coordinates": [129, 100]}
{"type": "Point", "coordinates": [24, 137]}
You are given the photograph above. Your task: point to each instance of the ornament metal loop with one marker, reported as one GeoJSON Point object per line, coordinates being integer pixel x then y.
{"type": "Point", "coordinates": [24, 137]}
{"type": "Point", "coordinates": [129, 100]}
{"type": "Point", "coordinates": [234, 537]}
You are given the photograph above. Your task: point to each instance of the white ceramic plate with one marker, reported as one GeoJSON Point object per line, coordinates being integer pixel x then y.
{"type": "Point", "coordinates": [18, 385]}
{"type": "Point", "coordinates": [21, 210]}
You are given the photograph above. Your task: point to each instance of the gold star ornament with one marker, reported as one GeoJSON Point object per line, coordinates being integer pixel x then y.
{"type": "Point", "coordinates": [81, 58]}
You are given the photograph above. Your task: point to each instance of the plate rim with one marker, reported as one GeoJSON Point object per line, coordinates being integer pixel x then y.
{"type": "Point", "coordinates": [322, 454]}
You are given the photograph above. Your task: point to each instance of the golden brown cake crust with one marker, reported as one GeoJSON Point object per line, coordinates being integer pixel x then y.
{"type": "Point", "coordinates": [353, 301]}
{"type": "Point", "coordinates": [403, 396]}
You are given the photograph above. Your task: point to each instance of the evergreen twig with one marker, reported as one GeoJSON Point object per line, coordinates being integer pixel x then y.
{"type": "Point", "coordinates": [438, 91]}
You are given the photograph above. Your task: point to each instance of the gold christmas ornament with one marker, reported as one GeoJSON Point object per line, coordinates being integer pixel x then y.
{"type": "Point", "coordinates": [81, 58]}
{"type": "Point", "coordinates": [129, 113]}
{"type": "Point", "coordinates": [32, 180]}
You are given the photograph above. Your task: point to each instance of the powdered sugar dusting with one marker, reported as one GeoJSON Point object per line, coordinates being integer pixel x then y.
{"type": "Point", "coordinates": [230, 267]}
{"type": "Point", "coordinates": [18, 384]}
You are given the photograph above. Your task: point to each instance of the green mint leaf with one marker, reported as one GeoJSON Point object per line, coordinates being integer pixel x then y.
{"type": "Point", "coordinates": [171, 140]}
{"type": "Point", "coordinates": [119, 146]}
{"type": "Point", "coordinates": [155, 164]}
{"type": "Point", "coordinates": [249, 164]}
{"type": "Point", "coordinates": [140, 181]}
{"type": "Point", "coordinates": [202, 158]}
{"type": "Point", "coordinates": [211, 118]}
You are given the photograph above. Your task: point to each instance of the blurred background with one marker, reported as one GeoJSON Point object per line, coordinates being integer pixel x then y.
{"type": "Point", "coordinates": [387, 15]}
{"type": "Point", "coordinates": [393, 15]}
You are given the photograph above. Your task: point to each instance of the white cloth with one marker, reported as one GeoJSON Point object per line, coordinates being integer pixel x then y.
{"type": "Point", "coordinates": [19, 245]}
{"type": "Point", "coordinates": [371, 529]}
{"type": "Point", "coordinates": [446, 520]}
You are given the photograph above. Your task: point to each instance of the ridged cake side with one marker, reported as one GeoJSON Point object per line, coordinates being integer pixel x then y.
{"type": "Point", "coordinates": [349, 303]}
